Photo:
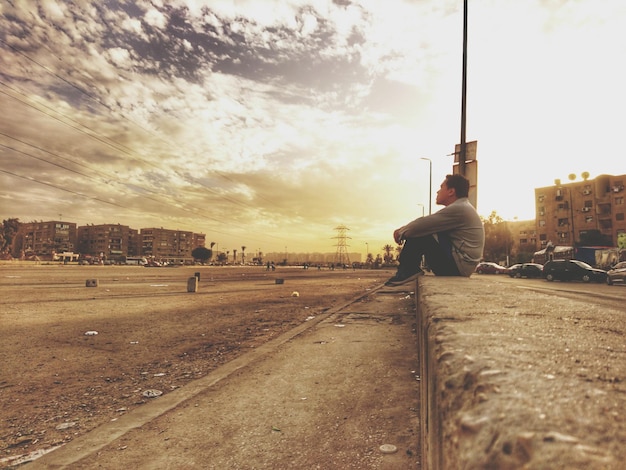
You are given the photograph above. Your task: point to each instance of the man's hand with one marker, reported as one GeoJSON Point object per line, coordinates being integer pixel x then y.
{"type": "Point", "coordinates": [397, 236]}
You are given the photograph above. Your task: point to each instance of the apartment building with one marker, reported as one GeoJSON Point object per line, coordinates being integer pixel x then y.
{"type": "Point", "coordinates": [199, 239]}
{"type": "Point", "coordinates": [44, 239]}
{"type": "Point", "coordinates": [167, 245]}
{"type": "Point", "coordinates": [108, 241]}
{"type": "Point", "coordinates": [578, 211]}
{"type": "Point", "coordinates": [523, 236]}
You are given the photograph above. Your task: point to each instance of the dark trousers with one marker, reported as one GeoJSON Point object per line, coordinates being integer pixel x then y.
{"type": "Point", "coordinates": [438, 255]}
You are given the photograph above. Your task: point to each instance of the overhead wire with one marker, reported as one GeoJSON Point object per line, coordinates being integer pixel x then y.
{"type": "Point", "coordinates": [77, 126]}
{"type": "Point", "coordinates": [148, 131]}
{"type": "Point", "coordinates": [199, 212]}
{"type": "Point", "coordinates": [61, 188]}
{"type": "Point", "coordinates": [91, 133]}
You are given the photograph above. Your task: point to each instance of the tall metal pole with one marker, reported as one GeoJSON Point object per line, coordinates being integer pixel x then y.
{"type": "Point", "coordinates": [571, 208]}
{"type": "Point", "coordinates": [463, 152]}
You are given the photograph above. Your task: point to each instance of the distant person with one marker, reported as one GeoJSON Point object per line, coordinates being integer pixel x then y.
{"type": "Point", "coordinates": [451, 240]}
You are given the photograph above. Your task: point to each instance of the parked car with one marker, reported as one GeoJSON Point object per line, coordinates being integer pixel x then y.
{"type": "Point", "coordinates": [526, 270]}
{"type": "Point", "coordinates": [616, 274]}
{"type": "Point", "coordinates": [487, 267]}
{"type": "Point", "coordinates": [572, 270]}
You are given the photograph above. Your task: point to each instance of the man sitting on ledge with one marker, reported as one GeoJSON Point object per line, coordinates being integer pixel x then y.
{"type": "Point", "coordinates": [451, 240]}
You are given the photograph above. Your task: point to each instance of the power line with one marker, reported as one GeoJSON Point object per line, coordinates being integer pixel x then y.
{"type": "Point", "coordinates": [199, 212]}
{"type": "Point", "coordinates": [94, 135]}
{"type": "Point", "coordinates": [30, 178]}
{"type": "Point", "coordinates": [97, 136]}
{"type": "Point", "coordinates": [96, 100]}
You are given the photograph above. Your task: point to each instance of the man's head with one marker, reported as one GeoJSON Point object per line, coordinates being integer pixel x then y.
{"type": "Point", "coordinates": [452, 188]}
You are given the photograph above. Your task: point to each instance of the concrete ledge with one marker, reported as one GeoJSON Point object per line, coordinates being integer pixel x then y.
{"type": "Point", "coordinates": [512, 378]}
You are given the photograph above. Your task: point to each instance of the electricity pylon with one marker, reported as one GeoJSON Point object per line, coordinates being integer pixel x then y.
{"type": "Point", "coordinates": [341, 256]}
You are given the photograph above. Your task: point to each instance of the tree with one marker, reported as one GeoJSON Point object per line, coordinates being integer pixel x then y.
{"type": "Point", "coordinates": [388, 249]}
{"type": "Point", "coordinates": [498, 238]}
{"type": "Point", "coordinates": [378, 261]}
{"type": "Point", "coordinates": [243, 255]}
{"type": "Point", "coordinates": [202, 253]}
{"type": "Point", "coordinates": [523, 257]}
{"type": "Point", "coordinates": [10, 227]}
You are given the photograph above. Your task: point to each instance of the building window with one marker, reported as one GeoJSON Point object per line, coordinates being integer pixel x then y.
{"type": "Point", "coordinates": [606, 224]}
{"type": "Point", "coordinates": [563, 222]}
{"type": "Point", "coordinates": [542, 223]}
{"type": "Point", "coordinates": [619, 201]}
{"type": "Point", "coordinates": [541, 198]}
{"type": "Point", "coordinates": [619, 216]}
{"type": "Point", "coordinates": [589, 219]}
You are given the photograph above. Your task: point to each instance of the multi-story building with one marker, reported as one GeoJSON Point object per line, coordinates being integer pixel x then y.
{"type": "Point", "coordinates": [199, 239]}
{"type": "Point", "coordinates": [523, 236]}
{"type": "Point", "coordinates": [108, 241]}
{"type": "Point", "coordinates": [167, 245]}
{"type": "Point", "coordinates": [578, 211]}
{"type": "Point", "coordinates": [45, 239]}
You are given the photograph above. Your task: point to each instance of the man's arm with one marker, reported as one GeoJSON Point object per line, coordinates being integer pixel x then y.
{"type": "Point", "coordinates": [447, 218]}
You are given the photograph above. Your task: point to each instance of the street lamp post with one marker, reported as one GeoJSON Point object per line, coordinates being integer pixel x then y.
{"type": "Point", "coordinates": [430, 184]}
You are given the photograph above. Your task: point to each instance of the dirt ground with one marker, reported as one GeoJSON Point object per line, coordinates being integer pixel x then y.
{"type": "Point", "coordinates": [75, 357]}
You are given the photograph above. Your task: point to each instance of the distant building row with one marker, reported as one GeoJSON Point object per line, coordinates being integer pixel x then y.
{"type": "Point", "coordinates": [107, 241]}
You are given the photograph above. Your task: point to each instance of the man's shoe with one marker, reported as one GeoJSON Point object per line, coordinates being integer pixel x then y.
{"type": "Point", "coordinates": [401, 279]}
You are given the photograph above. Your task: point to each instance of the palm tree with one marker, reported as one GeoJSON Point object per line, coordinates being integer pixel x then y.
{"type": "Point", "coordinates": [234, 256]}
{"type": "Point", "coordinates": [243, 255]}
{"type": "Point", "coordinates": [388, 257]}
{"type": "Point", "coordinates": [398, 251]}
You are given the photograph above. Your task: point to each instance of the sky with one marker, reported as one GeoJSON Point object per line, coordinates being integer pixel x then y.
{"type": "Point", "coordinates": [271, 123]}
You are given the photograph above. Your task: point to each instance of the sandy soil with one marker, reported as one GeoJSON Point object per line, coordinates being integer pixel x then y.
{"type": "Point", "coordinates": [59, 379]}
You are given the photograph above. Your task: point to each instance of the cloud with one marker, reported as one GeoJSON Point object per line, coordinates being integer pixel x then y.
{"type": "Point", "coordinates": [274, 121]}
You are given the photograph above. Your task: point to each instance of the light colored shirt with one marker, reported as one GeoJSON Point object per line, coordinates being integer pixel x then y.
{"type": "Point", "coordinates": [462, 224]}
